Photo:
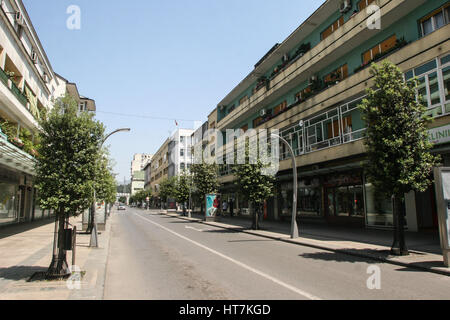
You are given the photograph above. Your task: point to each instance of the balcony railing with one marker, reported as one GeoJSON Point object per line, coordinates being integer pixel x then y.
{"type": "Point", "coordinates": [19, 94]}
{"type": "Point", "coordinates": [4, 77]}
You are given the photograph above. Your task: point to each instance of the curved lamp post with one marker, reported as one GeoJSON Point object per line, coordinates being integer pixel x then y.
{"type": "Point", "coordinates": [94, 234]}
{"type": "Point", "coordinates": [294, 227]}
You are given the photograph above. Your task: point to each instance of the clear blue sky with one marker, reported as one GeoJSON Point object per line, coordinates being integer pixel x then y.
{"type": "Point", "coordinates": [174, 59]}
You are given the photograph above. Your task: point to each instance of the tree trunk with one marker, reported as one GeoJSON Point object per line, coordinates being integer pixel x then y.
{"type": "Point", "coordinates": [91, 219]}
{"type": "Point", "coordinates": [399, 247]}
{"type": "Point", "coordinates": [255, 216]}
{"type": "Point", "coordinates": [59, 267]}
{"type": "Point", "coordinates": [201, 209]}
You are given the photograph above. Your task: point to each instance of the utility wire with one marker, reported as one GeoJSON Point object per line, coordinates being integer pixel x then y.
{"type": "Point", "coordinates": [144, 116]}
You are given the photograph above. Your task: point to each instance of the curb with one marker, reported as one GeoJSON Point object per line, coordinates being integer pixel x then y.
{"type": "Point", "coordinates": [315, 246]}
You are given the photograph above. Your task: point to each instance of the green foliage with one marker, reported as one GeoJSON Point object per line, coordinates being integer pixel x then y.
{"type": "Point", "coordinates": [397, 136]}
{"type": "Point", "coordinates": [140, 196]}
{"type": "Point", "coordinates": [252, 184]}
{"type": "Point", "coordinates": [123, 199]}
{"type": "Point", "coordinates": [9, 128]}
{"type": "Point", "coordinates": [167, 188]}
{"type": "Point", "coordinates": [67, 169]}
{"type": "Point", "coordinates": [183, 187]}
{"type": "Point", "coordinates": [206, 180]}
{"type": "Point", "coordinates": [105, 184]}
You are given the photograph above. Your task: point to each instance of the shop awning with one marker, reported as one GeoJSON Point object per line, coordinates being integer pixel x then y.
{"type": "Point", "coordinates": [15, 159]}
{"type": "Point", "coordinates": [336, 169]}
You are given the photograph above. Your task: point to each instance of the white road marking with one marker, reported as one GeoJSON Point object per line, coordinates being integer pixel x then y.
{"type": "Point", "coordinates": [260, 273]}
{"type": "Point", "coordinates": [192, 228]}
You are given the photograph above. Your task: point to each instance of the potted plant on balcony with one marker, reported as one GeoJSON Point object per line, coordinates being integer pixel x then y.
{"type": "Point", "coordinates": [17, 142]}
{"type": "Point", "coordinates": [10, 75]}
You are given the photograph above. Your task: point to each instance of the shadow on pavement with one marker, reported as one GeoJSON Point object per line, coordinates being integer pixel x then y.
{"type": "Point", "coordinates": [350, 255]}
{"type": "Point", "coordinates": [237, 230]}
{"type": "Point", "coordinates": [231, 241]}
{"type": "Point", "coordinates": [415, 267]}
{"type": "Point", "coordinates": [17, 273]}
{"type": "Point", "coordinates": [11, 230]}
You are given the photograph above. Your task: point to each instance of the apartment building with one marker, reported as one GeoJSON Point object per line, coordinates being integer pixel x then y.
{"type": "Point", "coordinates": [180, 152]}
{"type": "Point", "coordinates": [138, 165]}
{"type": "Point", "coordinates": [309, 87]}
{"type": "Point", "coordinates": [159, 168]}
{"type": "Point", "coordinates": [28, 88]}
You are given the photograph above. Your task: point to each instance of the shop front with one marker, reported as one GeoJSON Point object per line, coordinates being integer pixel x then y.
{"type": "Point", "coordinates": [344, 198]}
{"type": "Point", "coordinates": [10, 197]}
{"type": "Point", "coordinates": [309, 199]}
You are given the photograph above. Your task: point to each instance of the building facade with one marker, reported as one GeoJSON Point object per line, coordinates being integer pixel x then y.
{"type": "Point", "coordinates": [180, 152]}
{"type": "Point", "coordinates": [28, 88]}
{"type": "Point", "coordinates": [309, 87]}
{"type": "Point", "coordinates": [159, 168]}
{"type": "Point", "coordinates": [138, 164]}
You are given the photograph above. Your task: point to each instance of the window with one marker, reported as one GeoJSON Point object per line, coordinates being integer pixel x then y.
{"type": "Point", "coordinates": [182, 166]}
{"type": "Point", "coordinates": [336, 25]}
{"type": "Point", "coordinates": [243, 100]}
{"type": "Point", "coordinates": [337, 75]}
{"type": "Point", "coordinates": [435, 20]}
{"type": "Point", "coordinates": [364, 4]}
{"type": "Point", "coordinates": [380, 48]}
{"type": "Point", "coordinates": [181, 139]}
{"type": "Point", "coordinates": [257, 122]}
{"type": "Point", "coordinates": [303, 94]}
{"type": "Point", "coordinates": [434, 85]}
{"type": "Point", "coordinates": [83, 107]}
{"type": "Point", "coordinates": [280, 108]}
{"type": "Point", "coordinates": [182, 152]}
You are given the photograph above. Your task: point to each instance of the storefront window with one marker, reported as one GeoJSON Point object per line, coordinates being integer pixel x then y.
{"type": "Point", "coordinates": [309, 201]}
{"type": "Point", "coordinates": [344, 195]}
{"type": "Point", "coordinates": [379, 208]}
{"type": "Point", "coordinates": [8, 203]}
{"type": "Point", "coordinates": [346, 201]}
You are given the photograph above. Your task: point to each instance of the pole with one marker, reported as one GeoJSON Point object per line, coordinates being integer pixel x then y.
{"type": "Point", "coordinates": [74, 245]}
{"type": "Point", "coordinates": [294, 227]}
{"type": "Point", "coordinates": [94, 234]}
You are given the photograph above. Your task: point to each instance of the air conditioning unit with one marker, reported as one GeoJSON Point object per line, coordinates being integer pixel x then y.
{"type": "Point", "coordinates": [286, 58]}
{"type": "Point", "coordinates": [34, 56]}
{"type": "Point", "coordinates": [19, 18]}
{"type": "Point", "coordinates": [262, 112]}
{"type": "Point", "coordinates": [345, 6]}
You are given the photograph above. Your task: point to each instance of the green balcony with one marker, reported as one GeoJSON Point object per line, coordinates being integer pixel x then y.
{"type": "Point", "coordinates": [19, 94]}
{"type": "Point", "coordinates": [4, 77]}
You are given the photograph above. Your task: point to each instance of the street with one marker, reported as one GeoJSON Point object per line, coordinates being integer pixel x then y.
{"type": "Point", "coordinates": [153, 256]}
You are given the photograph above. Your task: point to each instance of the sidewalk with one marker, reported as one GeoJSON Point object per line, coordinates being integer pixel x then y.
{"type": "Point", "coordinates": [27, 249]}
{"type": "Point", "coordinates": [375, 244]}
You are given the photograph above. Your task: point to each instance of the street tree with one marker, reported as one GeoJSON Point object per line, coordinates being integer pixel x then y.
{"type": "Point", "coordinates": [397, 142]}
{"type": "Point", "coordinates": [123, 200]}
{"type": "Point", "coordinates": [255, 186]}
{"type": "Point", "coordinates": [67, 169]}
{"type": "Point", "coordinates": [167, 189]}
{"type": "Point", "coordinates": [105, 185]}
{"type": "Point", "coordinates": [206, 180]}
{"type": "Point", "coordinates": [183, 189]}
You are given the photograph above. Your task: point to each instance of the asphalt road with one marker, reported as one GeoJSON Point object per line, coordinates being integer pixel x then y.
{"type": "Point", "coordinates": [156, 257]}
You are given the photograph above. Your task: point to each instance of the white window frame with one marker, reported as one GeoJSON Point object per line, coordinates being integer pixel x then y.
{"type": "Point", "coordinates": [440, 78]}
{"type": "Point", "coordinates": [433, 22]}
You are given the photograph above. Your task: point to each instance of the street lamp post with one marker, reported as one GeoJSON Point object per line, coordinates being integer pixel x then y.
{"type": "Point", "coordinates": [294, 227]}
{"type": "Point", "coordinates": [94, 234]}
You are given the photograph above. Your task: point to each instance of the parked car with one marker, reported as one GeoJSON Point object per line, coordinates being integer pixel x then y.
{"type": "Point", "coordinates": [121, 207]}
